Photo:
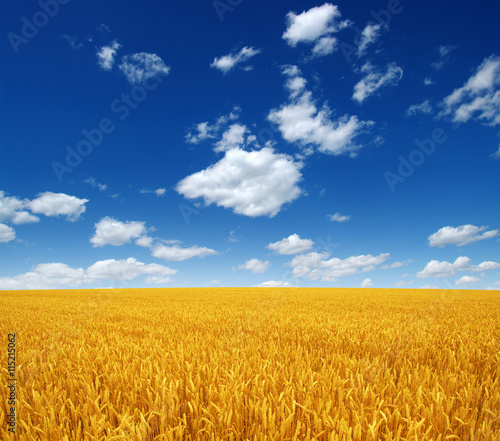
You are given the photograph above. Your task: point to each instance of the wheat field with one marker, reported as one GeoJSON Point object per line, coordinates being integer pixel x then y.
{"type": "Point", "coordinates": [254, 364]}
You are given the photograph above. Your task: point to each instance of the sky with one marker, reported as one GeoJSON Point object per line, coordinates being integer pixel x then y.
{"type": "Point", "coordinates": [250, 143]}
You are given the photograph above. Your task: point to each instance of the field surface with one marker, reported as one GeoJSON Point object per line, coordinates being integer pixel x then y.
{"type": "Point", "coordinates": [253, 364]}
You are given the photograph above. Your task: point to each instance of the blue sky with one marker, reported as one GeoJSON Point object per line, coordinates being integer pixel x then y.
{"type": "Point", "coordinates": [243, 143]}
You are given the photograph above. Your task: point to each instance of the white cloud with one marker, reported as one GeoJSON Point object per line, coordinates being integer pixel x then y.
{"type": "Point", "coordinates": [485, 266]}
{"type": "Point", "coordinates": [127, 269]}
{"type": "Point", "coordinates": [444, 52]}
{"type": "Point", "coordinates": [12, 210]}
{"type": "Point", "coordinates": [314, 265]}
{"type": "Point", "coordinates": [402, 283]}
{"type": "Point", "coordinates": [368, 36]}
{"type": "Point", "coordinates": [158, 280]}
{"type": "Point", "coordinates": [428, 81]}
{"type": "Point", "coordinates": [437, 269]}
{"type": "Point", "coordinates": [274, 284]}
{"type": "Point", "coordinates": [6, 233]}
{"type": "Point", "coordinates": [106, 55]}
{"type": "Point", "coordinates": [479, 97]}
{"type": "Point", "coordinates": [144, 241]}
{"type": "Point", "coordinates": [205, 130]}
{"type": "Point", "coordinates": [424, 107]}
{"type": "Point", "coordinates": [109, 231]}
{"type": "Point", "coordinates": [466, 280]}
{"type": "Point", "coordinates": [292, 244]}
{"type": "Point", "coordinates": [429, 287]}
{"type": "Point", "coordinates": [178, 254]}
{"type": "Point", "coordinates": [229, 62]}
{"type": "Point", "coordinates": [58, 204]}
{"type": "Point", "coordinates": [459, 236]}
{"type": "Point", "coordinates": [394, 265]}
{"type": "Point", "coordinates": [337, 217]}
{"type": "Point", "coordinates": [367, 283]}
{"type": "Point", "coordinates": [255, 265]}
{"type": "Point", "coordinates": [232, 138]}
{"type": "Point", "coordinates": [232, 237]}
{"type": "Point", "coordinates": [313, 24]}
{"type": "Point", "coordinates": [72, 41]}
{"type": "Point", "coordinates": [92, 181]}
{"type": "Point", "coordinates": [301, 122]}
{"type": "Point", "coordinates": [375, 80]}
{"type": "Point", "coordinates": [46, 276]}
{"type": "Point", "coordinates": [324, 46]}
{"type": "Point", "coordinates": [496, 155]}
{"type": "Point", "coordinates": [160, 191]}
{"type": "Point", "coordinates": [256, 183]}
{"type": "Point", "coordinates": [142, 66]}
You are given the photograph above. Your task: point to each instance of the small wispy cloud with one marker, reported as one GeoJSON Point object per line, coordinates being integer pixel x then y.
{"type": "Point", "coordinates": [337, 217]}
{"type": "Point", "coordinates": [106, 55]}
{"type": "Point", "coordinates": [228, 62]}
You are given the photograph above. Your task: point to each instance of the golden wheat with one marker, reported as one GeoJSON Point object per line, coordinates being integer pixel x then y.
{"type": "Point", "coordinates": [254, 364]}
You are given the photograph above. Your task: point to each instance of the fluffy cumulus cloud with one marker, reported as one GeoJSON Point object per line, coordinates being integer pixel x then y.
{"type": "Point", "coordinates": [315, 266]}
{"type": "Point", "coordinates": [178, 253]}
{"type": "Point", "coordinates": [255, 265]}
{"type": "Point", "coordinates": [228, 62]}
{"type": "Point", "coordinates": [301, 122]}
{"type": "Point", "coordinates": [274, 284]}
{"type": "Point", "coordinates": [60, 275]}
{"type": "Point", "coordinates": [6, 233]}
{"type": "Point", "coordinates": [232, 138]}
{"type": "Point", "coordinates": [256, 183]}
{"type": "Point", "coordinates": [144, 241]}
{"type": "Point", "coordinates": [485, 266]}
{"type": "Point", "coordinates": [337, 217]}
{"type": "Point", "coordinates": [315, 25]}
{"type": "Point", "coordinates": [17, 212]}
{"type": "Point", "coordinates": [106, 55]}
{"type": "Point", "coordinates": [369, 35]}
{"type": "Point", "coordinates": [367, 283]}
{"type": "Point", "coordinates": [46, 276]}
{"type": "Point", "coordinates": [324, 46]}
{"type": "Point", "coordinates": [142, 66]}
{"type": "Point", "coordinates": [127, 269]}
{"type": "Point", "coordinates": [290, 245]}
{"type": "Point", "coordinates": [478, 98]}
{"type": "Point", "coordinates": [437, 269]}
{"type": "Point", "coordinates": [58, 204]}
{"type": "Point", "coordinates": [467, 280]}
{"type": "Point", "coordinates": [109, 231]}
{"type": "Point", "coordinates": [160, 191]}
{"type": "Point", "coordinates": [14, 211]}
{"type": "Point", "coordinates": [459, 236]}
{"type": "Point", "coordinates": [374, 79]}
